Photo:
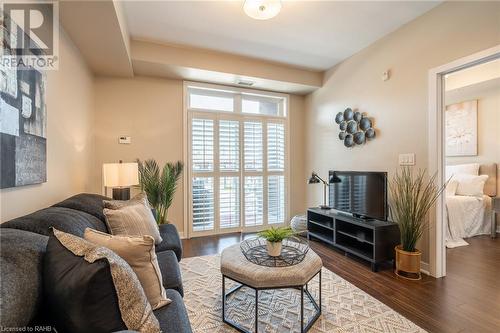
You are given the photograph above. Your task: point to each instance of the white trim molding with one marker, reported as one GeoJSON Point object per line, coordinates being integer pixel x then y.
{"type": "Point", "coordinates": [437, 231]}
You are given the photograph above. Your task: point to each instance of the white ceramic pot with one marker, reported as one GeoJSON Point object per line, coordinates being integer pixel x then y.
{"type": "Point", "coordinates": [273, 248]}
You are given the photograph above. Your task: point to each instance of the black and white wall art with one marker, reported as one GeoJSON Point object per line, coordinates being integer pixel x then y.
{"type": "Point", "coordinates": [23, 127]}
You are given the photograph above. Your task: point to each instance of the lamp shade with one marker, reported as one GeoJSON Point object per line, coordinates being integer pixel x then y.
{"type": "Point", "coordinates": [313, 179]}
{"type": "Point", "coordinates": [120, 174]}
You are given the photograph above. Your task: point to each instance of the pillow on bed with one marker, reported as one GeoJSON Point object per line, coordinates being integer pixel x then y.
{"type": "Point", "coordinates": [470, 185]}
{"type": "Point", "coordinates": [462, 169]}
{"type": "Point", "coordinates": [451, 188]}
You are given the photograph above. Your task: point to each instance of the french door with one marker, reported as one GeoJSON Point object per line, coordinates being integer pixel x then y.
{"type": "Point", "coordinates": [237, 172]}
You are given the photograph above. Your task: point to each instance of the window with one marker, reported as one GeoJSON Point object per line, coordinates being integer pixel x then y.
{"type": "Point", "coordinates": [237, 172]}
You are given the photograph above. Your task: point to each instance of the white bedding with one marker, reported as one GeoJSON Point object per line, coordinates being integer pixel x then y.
{"type": "Point", "coordinates": [468, 216]}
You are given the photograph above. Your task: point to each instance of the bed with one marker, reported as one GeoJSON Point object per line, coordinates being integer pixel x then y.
{"type": "Point", "coordinates": [470, 215]}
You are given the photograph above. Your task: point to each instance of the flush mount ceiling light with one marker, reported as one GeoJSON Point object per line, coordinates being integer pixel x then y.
{"type": "Point", "coordinates": [262, 9]}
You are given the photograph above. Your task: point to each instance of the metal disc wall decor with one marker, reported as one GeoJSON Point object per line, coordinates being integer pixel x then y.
{"type": "Point", "coordinates": [343, 125]}
{"type": "Point", "coordinates": [370, 133]}
{"type": "Point", "coordinates": [359, 138]}
{"type": "Point", "coordinates": [365, 124]}
{"type": "Point", "coordinates": [352, 127]}
{"type": "Point", "coordinates": [348, 141]}
{"type": "Point", "coordinates": [339, 118]}
{"type": "Point", "coordinates": [348, 114]}
{"type": "Point", "coordinates": [355, 128]}
{"type": "Point", "coordinates": [357, 116]}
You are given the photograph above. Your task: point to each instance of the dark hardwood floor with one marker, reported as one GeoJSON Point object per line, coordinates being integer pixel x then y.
{"type": "Point", "coordinates": [466, 300]}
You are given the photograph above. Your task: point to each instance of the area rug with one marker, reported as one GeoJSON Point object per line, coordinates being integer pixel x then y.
{"type": "Point", "coordinates": [345, 307]}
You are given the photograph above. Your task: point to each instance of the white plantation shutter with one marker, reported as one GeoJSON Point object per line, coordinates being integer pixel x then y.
{"type": "Point", "coordinates": [203, 203]}
{"type": "Point", "coordinates": [254, 201]}
{"type": "Point", "coordinates": [229, 145]}
{"type": "Point", "coordinates": [238, 172]}
{"type": "Point", "coordinates": [253, 146]}
{"type": "Point", "coordinates": [229, 202]}
{"type": "Point", "coordinates": [202, 144]}
{"type": "Point", "coordinates": [276, 199]}
{"type": "Point", "coordinates": [275, 147]}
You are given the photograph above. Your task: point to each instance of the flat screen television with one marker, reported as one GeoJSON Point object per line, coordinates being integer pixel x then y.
{"type": "Point", "coordinates": [362, 194]}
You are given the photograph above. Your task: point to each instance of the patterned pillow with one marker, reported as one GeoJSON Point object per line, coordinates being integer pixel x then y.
{"type": "Point", "coordinates": [131, 218]}
{"type": "Point", "coordinates": [89, 288]}
{"type": "Point", "coordinates": [139, 253]}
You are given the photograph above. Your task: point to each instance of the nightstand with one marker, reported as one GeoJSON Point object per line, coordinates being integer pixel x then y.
{"type": "Point", "coordinates": [496, 210]}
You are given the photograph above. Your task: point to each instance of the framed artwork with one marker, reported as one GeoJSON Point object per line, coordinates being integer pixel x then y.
{"type": "Point", "coordinates": [23, 120]}
{"type": "Point", "coordinates": [461, 129]}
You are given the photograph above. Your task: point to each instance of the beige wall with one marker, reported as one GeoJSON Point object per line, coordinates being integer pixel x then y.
{"type": "Point", "coordinates": [398, 106]}
{"type": "Point", "coordinates": [150, 111]}
{"type": "Point", "coordinates": [488, 121]}
{"type": "Point", "coordinates": [69, 144]}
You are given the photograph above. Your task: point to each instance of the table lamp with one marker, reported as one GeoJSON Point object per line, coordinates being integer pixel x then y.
{"type": "Point", "coordinates": [120, 176]}
{"type": "Point", "coordinates": [315, 179]}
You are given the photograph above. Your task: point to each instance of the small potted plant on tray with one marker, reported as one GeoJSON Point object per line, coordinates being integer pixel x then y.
{"type": "Point", "coordinates": [274, 238]}
{"type": "Point", "coordinates": [413, 195]}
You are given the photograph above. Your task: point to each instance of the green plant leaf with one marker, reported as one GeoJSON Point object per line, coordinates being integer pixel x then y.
{"type": "Point", "coordinates": [276, 234]}
{"type": "Point", "coordinates": [160, 187]}
{"type": "Point", "coordinates": [412, 196]}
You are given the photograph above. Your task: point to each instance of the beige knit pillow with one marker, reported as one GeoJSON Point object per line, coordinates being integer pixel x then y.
{"type": "Point", "coordinates": [131, 218]}
{"type": "Point", "coordinates": [139, 253]}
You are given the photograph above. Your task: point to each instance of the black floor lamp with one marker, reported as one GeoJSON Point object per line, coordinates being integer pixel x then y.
{"type": "Point", "coordinates": [315, 179]}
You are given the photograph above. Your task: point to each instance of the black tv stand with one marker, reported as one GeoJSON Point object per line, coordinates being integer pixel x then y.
{"type": "Point", "coordinates": [369, 239]}
{"type": "Point", "coordinates": [362, 217]}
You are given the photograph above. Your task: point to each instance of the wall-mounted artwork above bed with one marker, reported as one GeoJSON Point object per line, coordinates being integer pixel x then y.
{"type": "Point", "coordinates": [461, 129]}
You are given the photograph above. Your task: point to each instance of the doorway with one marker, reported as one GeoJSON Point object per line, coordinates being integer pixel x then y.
{"type": "Point", "coordinates": [438, 151]}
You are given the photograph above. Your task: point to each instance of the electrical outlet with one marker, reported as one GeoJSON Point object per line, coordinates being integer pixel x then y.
{"type": "Point", "coordinates": [407, 159]}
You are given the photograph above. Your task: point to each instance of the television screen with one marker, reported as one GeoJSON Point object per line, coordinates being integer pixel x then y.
{"type": "Point", "coordinates": [362, 194]}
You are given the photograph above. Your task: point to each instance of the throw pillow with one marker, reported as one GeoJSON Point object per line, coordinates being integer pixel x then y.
{"type": "Point", "coordinates": [140, 198]}
{"type": "Point", "coordinates": [451, 188]}
{"type": "Point", "coordinates": [462, 169]}
{"type": "Point", "coordinates": [131, 218]}
{"type": "Point", "coordinates": [139, 253]}
{"type": "Point", "coordinates": [470, 185]}
{"type": "Point", "coordinates": [89, 288]}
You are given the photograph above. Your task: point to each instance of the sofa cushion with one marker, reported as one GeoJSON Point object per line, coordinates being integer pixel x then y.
{"type": "Point", "coordinates": [21, 258]}
{"type": "Point", "coordinates": [170, 271]}
{"type": "Point", "coordinates": [86, 202]}
{"type": "Point", "coordinates": [139, 253]}
{"type": "Point", "coordinates": [131, 218]}
{"type": "Point", "coordinates": [89, 288]}
{"type": "Point", "coordinates": [171, 240]}
{"type": "Point", "coordinates": [173, 318]}
{"type": "Point", "coordinates": [64, 219]}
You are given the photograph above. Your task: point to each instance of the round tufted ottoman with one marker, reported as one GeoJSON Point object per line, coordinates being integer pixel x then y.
{"type": "Point", "coordinates": [236, 267]}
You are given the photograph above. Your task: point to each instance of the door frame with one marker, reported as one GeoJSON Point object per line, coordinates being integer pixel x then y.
{"type": "Point", "coordinates": [436, 151]}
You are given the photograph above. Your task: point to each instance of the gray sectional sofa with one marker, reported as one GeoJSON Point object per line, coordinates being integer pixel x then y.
{"type": "Point", "coordinates": [23, 242]}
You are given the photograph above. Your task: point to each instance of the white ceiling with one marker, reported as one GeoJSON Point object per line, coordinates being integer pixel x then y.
{"type": "Point", "coordinates": [309, 34]}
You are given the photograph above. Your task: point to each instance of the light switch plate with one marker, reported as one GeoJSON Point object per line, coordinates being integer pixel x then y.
{"type": "Point", "coordinates": [407, 159]}
{"type": "Point", "coordinates": [125, 140]}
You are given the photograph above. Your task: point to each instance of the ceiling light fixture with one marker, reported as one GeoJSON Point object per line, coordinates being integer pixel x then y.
{"type": "Point", "coordinates": [262, 9]}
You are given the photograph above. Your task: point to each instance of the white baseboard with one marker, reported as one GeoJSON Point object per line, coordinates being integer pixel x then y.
{"type": "Point", "coordinates": [181, 235]}
{"type": "Point", "coordinates": [424, 268]}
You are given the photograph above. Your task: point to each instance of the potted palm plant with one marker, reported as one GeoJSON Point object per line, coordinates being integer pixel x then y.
{"type": "Point", "coordinates": [274, 238]}
{"type": "Point", "coordinates": [159, 185]}
{"type": "Point", "coordinates": [413, 194]}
